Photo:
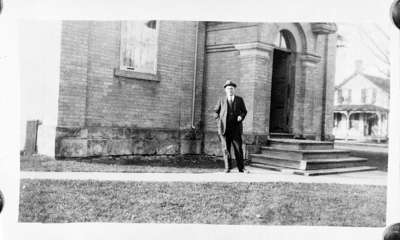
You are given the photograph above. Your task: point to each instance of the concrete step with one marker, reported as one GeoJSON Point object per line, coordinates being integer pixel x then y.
{"type": "Point", "coordinates": [281, 135]}
{"type": "Point", "coordinates": [278, 162]}
{"type": "Point", "coordinates": [304, 154]}
{"type": "Point", "coordinates": [314, 172]}
{"type": "Point", "coordinates": [307, 164]}
{"type": "Point", "coordinates": [335, 171]}
{"type": "Point", "coordinates": [297, 144]}
{"type": "Point", "coordinates": [335, 163]}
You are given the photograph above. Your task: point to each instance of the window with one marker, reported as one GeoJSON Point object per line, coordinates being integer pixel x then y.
{"type": "Point", "coordinates": [337, 119]}
{"type": "Point", "coordinates": [139, 46]}
{"type": "Point", "coordinates": [281, 41]}
{"type": "Point", "coordinates": [368, 96]}
{"type": "Point", "coordinates": [364, 95]}
{"type": "Point", "coordinates": [373, 101]}
{"type": "Point", "coordinates": [340, 98]}
{"type": "Point", "coordinates": [355, 121]}
{"type": "Point", "coordinates": [347, 96]}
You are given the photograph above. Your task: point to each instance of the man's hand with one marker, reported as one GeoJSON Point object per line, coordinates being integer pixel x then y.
{"type": "Point", "coordinates": [239, 118]}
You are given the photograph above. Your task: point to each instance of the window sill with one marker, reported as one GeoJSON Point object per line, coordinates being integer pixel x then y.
{"type": "Point", "coordinates": [136, 75]}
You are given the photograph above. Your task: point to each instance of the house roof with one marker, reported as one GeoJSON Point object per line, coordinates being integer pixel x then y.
{"type": "Point", "coordinates": [382, 83]}
{"type": "Point", "coordinates": [360, 108]}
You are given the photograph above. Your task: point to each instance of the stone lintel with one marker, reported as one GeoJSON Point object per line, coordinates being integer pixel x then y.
{"type": "Point", "coordinates": [310, 60]}
{"type": "Point", "coordinates": [255, 48]}
{"type": "Point", "coordinates": [323, 28]}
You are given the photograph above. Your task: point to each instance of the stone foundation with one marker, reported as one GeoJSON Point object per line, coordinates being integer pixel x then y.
{"type": "Point", "coordinates": [91, 142]}
{"type": "Point", "coordinates": [115, 141]}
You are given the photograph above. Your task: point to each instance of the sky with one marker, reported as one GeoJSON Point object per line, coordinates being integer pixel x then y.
{"type": "Point", "coordinates": [39, 61]}
{"type": "Point", "coordinates": [356, 47]}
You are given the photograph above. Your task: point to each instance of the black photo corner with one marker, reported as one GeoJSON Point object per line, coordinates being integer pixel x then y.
{"type": "Point", "coordinates": [1, 201]}
{"type": "Point", "coordinates": [392, 232]}
{"type": "Point", "coordinates": [395, 12]}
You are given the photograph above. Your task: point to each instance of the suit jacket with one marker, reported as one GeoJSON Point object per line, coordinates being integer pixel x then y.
{"type": "Point", "coordinates": [221, 113]}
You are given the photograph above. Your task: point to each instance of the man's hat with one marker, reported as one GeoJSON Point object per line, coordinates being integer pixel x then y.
{"type": "Point", "coordinates": [229, 83]}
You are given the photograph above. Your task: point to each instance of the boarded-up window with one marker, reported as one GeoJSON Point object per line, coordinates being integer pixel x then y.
{"type": "Point", "coordinates": [139, 46]}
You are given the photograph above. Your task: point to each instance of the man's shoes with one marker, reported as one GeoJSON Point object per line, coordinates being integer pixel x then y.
{"type": "Point", "coordinates": [227, 170]}
{"type": "Point", "coordinates": [244, 171]}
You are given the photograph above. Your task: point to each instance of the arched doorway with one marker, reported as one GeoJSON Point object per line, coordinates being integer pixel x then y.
{"type": "Point", "coordinates": [282, 89]}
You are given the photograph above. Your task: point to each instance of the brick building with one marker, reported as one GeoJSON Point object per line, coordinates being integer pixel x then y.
{"type": "Point", "coordinates": [138, 87]}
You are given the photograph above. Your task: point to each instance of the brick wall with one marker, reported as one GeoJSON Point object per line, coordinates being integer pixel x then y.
{"type": "Point", "coordinates": [73, 73]}
{"type": "Point", "coordinates": [223, 63]}
{"type": "Point", "coordinates": [119, 101]}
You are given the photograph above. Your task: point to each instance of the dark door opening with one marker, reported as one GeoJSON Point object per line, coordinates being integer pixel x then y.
{"type": "Point", "coordinates": [281, 92]}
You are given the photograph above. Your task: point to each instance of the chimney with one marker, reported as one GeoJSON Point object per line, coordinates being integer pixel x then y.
{"type": "Point", "coordinates": [359, 66]}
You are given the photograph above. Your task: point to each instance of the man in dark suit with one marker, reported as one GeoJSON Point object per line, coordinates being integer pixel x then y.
{"type": "Point", "coordinates": [230, 113]}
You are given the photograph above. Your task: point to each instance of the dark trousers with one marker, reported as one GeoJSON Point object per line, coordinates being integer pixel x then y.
{"type": "Point", "coordinates": [232, 138]}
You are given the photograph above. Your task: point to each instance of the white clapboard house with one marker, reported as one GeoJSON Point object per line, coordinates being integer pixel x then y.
{"type": "Point", "coordinates": [362, 107]}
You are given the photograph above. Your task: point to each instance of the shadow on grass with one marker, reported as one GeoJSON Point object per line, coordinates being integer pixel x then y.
{"type": "Point", "coordinates": [375, 159]}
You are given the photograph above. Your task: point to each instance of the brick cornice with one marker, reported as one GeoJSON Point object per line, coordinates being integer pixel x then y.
{"type": "Point", "coordinates": [220, 48]}
{"type": "Point", "coordinates": [255, 48]}
{"type": "Point", "coordinates": [323, 28]}
{"type": "Point", "coordinates": [310, 60]}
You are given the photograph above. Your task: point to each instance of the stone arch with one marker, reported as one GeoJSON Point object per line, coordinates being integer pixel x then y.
{"type": "Point", "coordinates": [303, 37]}
{"type": "Point", "coordinates": [269, 32]}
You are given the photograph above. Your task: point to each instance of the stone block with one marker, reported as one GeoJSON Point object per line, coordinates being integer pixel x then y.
{"type": "Point", "coordinates": [119, 147]}
{"type": "Point", "coordinates": [100, 133]}
{"type": "Point", "coordinates": [144, 146]}
{"type": "Point", "coordinates": [72, 148]}
{"type": "Point", "coordinates": [97, 147]}
{"type": "Point", "coordinates": [212, 144]}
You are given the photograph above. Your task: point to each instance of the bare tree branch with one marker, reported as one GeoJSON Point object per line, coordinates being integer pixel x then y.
{"type": "Point", "coordinates": [383, 32]}
{"type": "Point", "coordinates": [385, 72]}
{"type": "Point", "coordinates": [384, 54]}
{"type": "Point", "coordinates": [378, 54]}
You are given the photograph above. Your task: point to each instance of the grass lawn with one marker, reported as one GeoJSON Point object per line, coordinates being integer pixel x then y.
{"type": "Point", "coordinates": [211, 203]}
{"type": "Point", "coordinates": [150, 164]}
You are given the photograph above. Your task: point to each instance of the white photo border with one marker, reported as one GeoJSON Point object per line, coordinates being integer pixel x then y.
{"type": "Point", "coordinates": [238, 10]}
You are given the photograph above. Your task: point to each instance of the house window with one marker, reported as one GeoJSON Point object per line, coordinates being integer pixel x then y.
{"type": "Point", "coordinates": [355, 121]}
{"type": "Point", "coordinates": [139, 46]}
{"type": "Point", "coordinates": [373, 101]}
{"type": "Point", "coordinates": [337, 119]}
{"type": "Point", "coordinates": [364, 95]}
{"type": "Point", "coordinates": [368, 96]}
{"type": "Point", "coordinates": [347, 96]}
{"type": "Point", "coordinates": [340, 98]}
